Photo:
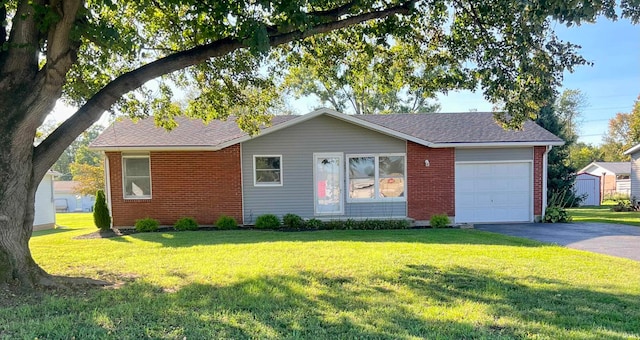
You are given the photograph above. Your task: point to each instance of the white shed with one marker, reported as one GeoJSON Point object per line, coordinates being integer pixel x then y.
{"type": "Point", "coordinates": [588, 185]}
{"type": "Point", "coordinates": [45, 213]}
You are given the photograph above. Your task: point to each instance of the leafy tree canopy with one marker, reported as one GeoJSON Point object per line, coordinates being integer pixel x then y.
{"type": "Point", "coordinates": [353, 71]}
{"type": "Point", "coordinates": [623, 133]}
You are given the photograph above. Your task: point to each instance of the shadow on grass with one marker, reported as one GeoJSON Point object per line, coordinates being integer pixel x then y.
{"type": "Point", "coordinates": [51, 231]}
{"type": "Point", "coordinates": [427, 236]}
{"type": "Point", "coordinates": [420, 301]}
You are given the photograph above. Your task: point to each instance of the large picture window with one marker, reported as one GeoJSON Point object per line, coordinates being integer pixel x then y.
{"type": "Point", "coordinates": [136, 179]}
{"type": "Point", "coordinates": [267, 170]}
{"type": "Point", "coordinates": [376, 177]}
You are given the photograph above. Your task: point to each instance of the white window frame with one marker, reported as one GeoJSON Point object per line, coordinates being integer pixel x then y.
{"type": "Point", "coordinates": [124, 175]}
{"type": "Point", "coordinates": [376, 182]}
{"type": "Point", "coordinates": [255, 177]}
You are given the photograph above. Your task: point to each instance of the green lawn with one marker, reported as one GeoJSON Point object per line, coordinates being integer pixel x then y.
{"type": "Point", "coordinates": [400, 284]}
{"type": "Point", "coordinates": [604, 214]}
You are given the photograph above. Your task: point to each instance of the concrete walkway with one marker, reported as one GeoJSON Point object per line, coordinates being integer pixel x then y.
{"type": "Point", "coordinates": [604, 238]}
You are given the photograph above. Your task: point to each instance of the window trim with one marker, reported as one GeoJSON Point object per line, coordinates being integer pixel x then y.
{"type": "Point", "coordinates": [255, 177]}
{"type": "Point", "coordinates": [376, 179]}
{"type": "Point", "coordinates": [124, 191]}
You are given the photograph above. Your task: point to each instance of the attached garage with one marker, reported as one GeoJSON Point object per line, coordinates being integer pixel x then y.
{"type": "Point", "coordinates": [494, 191]}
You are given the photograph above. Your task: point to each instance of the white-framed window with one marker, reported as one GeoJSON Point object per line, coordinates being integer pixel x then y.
{"type": "Point", "coordinates": [136, 176]}
{"type": "Point", "coordinates": [376, 177]}
{"type": "Point", "coordinates": [267, 170]}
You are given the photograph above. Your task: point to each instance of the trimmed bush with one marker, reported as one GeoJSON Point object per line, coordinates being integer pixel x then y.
{"type": "Point", "coordinates": [101, 216]}
{"type": "Point", "coordinates": [314, 223]}
{"type": "Point", "coordinates": [226, 223]}
{"type": "Point", "coordinates": [146, 225]}
{"type": "Point", "coordinates": [439, 221]}
{"type": "Point", "coordinates": [333, 225]}
{"type": "Point", "coordinates": [186, 223]}
{"type": "Point", "coordinates": [267, 221]}
{"type": "Point", "coordinates": [292, 221]}
{"type": "Point", "coordinates": [373, 224]}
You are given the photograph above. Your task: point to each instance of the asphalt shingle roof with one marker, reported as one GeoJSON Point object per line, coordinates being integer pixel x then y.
{"type": "Point", "coordinates": [189, 132]}
{"type": "Point", "coordinates": [615, 167]}
{"type": "Point", "coordinates": [436, 128]}
{"type": "Point", "coordinates": [467, 127]}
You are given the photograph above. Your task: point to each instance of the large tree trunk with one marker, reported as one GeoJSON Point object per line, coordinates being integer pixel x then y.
{"type": "Point", "coordinates": [17, 196]}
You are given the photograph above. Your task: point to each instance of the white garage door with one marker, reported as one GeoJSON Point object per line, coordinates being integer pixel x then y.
{"type": "Point", "coordinates": [493, 192]}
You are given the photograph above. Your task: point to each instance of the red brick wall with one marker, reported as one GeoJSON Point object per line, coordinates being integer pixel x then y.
{"type": "Point", "coordinates": [538, 154]}
{"type": "Point", "coordinates": [198, 184]}
{"type": "Point", "coordinates": [431, 190]}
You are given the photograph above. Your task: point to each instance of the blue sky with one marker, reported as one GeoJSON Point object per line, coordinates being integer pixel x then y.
{"type": "Point", "coordinates": [611, 85]}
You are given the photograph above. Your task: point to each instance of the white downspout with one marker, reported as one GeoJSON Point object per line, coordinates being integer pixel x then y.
{"type": "Point", "coordinates": [545, 164]}
{"type": "Point", "coordinates": [107, 185]}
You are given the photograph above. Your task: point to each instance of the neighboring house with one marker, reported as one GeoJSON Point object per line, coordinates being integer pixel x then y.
{"type": "Point", "coordinates": [634, 177]}
{"type": "Point", "coordinates": [67, 200]}
{"type": "Point", "coordinates": [587, 187]}
{"type": "Point", "coordinates": [328, 165]}
{"type": "Point", "coordinates": [45, 212]}
{"type": "Point", "coordinates": [614, 176]}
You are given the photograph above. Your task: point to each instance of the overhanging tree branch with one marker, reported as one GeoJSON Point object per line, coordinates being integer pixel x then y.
{"type": "Point", "coordinates": [46, 153]}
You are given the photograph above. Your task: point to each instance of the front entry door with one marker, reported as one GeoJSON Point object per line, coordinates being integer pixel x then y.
{"type": "Point", "coordinates": [328, 175]}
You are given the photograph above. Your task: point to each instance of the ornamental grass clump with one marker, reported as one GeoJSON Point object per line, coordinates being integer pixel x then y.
{"type": "Point", "coordinates": [439, 221]}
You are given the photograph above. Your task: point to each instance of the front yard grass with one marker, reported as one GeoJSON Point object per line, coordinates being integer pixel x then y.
{"type": "Point", "coordinates": [604, 214]}
{"type": "Point", "coordinates": [390, 284]}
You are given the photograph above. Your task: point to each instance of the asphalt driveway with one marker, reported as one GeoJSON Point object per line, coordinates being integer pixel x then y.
{"type": "Point", "coordinates": [604, 238]}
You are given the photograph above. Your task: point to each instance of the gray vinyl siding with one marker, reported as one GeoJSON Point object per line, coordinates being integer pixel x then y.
{"type": "Point", "coordinates": [297, 144]}
{"type": "Point", "coordinates": [635, 175]}
{"type": "Point", "coordinates": [494, 155]}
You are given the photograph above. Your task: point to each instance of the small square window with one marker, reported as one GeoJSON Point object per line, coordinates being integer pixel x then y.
{"type": "Point", "coordinates": [267, 170]}
{"type": "Point", "coordinates": [136, 177]}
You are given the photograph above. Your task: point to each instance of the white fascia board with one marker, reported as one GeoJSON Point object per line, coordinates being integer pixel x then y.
{"type": "Point", "coordinates": [154, 148]}
{"type": "Point", "coordinates": [592, 164]}
{"type": "Point", "coordinates": [632, 150]}
{"type": "Point", "coordinates": [494, 144]}
{"type": "Point", "coordinates": [378, 128]}
{"type": "Point", "coordinates": [271, 129]}
{"type": "Point", "coordinates": [331, 113]}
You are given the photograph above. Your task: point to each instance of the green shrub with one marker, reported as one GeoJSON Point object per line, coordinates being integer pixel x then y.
{"type": "Point", "coordinates": [383, 224]}
{"type": "Point", "coordinates": [556, 214]}
{"type": "Point", "coordinates": [292, 221]}
{"type": "Point", "coordinates": [334, 225]}
{"type": "Point", "coordinates": [226, 223]}
{"type": "Point", "coordinates": [439, 221]}
{"type": "Point", "coordinates": [268, 221]}
{"type": "Point", "coordinates": [101, 216]}
{"type": "Point", "coordinates": [186, 223]}
{"type": "Point", "coordinates": [146, 225]}
{"type": "Point", "coordinates": [315, 223]}
{"type": "Point", "coordinates": [369, 224]}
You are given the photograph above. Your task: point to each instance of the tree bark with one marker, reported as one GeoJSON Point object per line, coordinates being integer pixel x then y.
{"type": "Point", "coordinates": [17, 197]}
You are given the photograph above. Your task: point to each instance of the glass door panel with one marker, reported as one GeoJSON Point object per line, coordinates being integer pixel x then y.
{"type": "Point", "coordinates": [328, 178]}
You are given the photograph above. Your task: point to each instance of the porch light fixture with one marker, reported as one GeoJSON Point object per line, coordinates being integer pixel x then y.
{"type": "Point", "coordinates": [426, 163]}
